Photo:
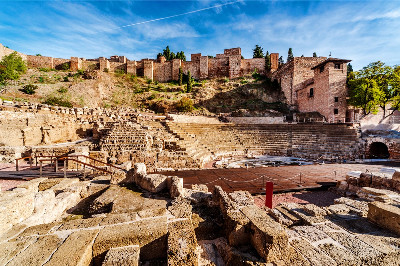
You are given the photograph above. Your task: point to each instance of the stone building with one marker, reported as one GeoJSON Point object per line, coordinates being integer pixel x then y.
{"type": "Point", "coordinates": [317, 84]}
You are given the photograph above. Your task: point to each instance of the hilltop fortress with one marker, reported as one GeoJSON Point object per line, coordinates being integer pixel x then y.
{"type": "Point", "coordinates": [310, 84]}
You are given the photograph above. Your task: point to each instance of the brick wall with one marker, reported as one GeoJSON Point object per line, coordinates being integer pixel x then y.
{"type": "Point", "coordinates": [326, 85]}
{"type": "Point", "coordinates": [193, 67]}
{"type": "Point", "coordinates": [131, 67]}
{"type": "Point", "coordinates": [115, 66]}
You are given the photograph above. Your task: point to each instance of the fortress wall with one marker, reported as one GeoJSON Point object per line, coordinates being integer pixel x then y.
{"type": "Point", "coordinates": [218, 67]}
{"type": "Point", "coordinates": [59, 61]}
{"type": "Point", "coordinates": [6, 51]}
{"type": "Point", "coordinates": [40, 61]}
{"type": "Point", "coordinates": [248, 66]}
{"type": "Point", "coordinates": [163, 71]}
{"type": "Point", "coordinates": [116, 66]}
{"type": "Point", "coordinates": [193, 67]}
{"type": "Point", "coordinates": [86, 64]}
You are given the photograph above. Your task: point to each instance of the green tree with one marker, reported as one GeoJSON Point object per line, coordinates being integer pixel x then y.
{"type": "Point", "coordinates": [189, 83]}
{"type": "Point", "coordinates": [171, 55]}
{"type": "Point", "coordinates": [314, 54]}
{"type": "Point", "coordinates": [180, 76]}
{"type": "Point", "coordinates": [167, 53]}
{"type": "Point", "coordinates": [11, 67]}
{"type": "Point", "coordinates": [258, 52]}
{"type": "Point", "coordinates": [280, 60]}
{"type": "Point", "coordinates": [267, 61]}
{"type": "Point", "coordinates": [394, 83]}
{"type": "Point", "coordinates": [290, 55]}
{"type": "Point", "coordinates": [372, 87]}
{"type": "Point", "coordinates": [181, 55]}
{"type": "Point", "coordinates": [349, 68]}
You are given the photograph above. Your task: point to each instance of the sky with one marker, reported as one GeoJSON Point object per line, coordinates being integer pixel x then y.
{"type": "Point", "coordinates": [362, 31]}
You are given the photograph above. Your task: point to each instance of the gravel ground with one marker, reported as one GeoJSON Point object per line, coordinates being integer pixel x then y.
{"type": "Point", "coordinates": [319, 198]}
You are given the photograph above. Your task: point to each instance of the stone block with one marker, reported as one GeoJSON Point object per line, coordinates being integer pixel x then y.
{"type": "Point", "coordinates": [10, 249]}
{"type": "Point", "coordinates": [384, 215]}
{"type": "Point", "coordinates": [128, 255]}
{"type": "Point", "coordinates": [176, 189]}
{"type": "Point", "coordinates": [39, 252]}
{"type": "Point", "coordinates": [182, 243]}
{"type": "Point", "coordinates": [149, 234]}
{"type": "Point", "coordinates": [152, 182]}
{"type": "Point", "coordinates": [267, 236]}
{"type": "Point", "coordinates": [76, 250]}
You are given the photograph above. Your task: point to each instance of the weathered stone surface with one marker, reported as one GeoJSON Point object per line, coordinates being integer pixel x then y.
{"type": "Point", "coordinates": [387, 216]}
{"type": "Point", "coordinates": [152, 182]}
{"type": "Point", "coordinates": [127, 255]}
{"type": "Point", "coordinates": [176, 190]}
{"type": "Point", "coordinates": [38, 252]}
{"type": "Point", "coordinates": [235, 221]}
{"type": "Point", "coordinates": [10, 249]}
{"type": "Point", "coordinates": [76, 249]}
{"type": "Point", "coordinates": [80, 223]}
{"type": "Point", "coordinates": [118, 176]}
{"type": "Point", "coordinates": [313, 255]}
{"type": "Point", "coordinates": [267, 236]}
{"type": "Point", "coordinates": [15, 206]}
{"type": "Point", "coordinates": [149, 234]}
{"type": "Point", "coordinates": [40, 229]}
{"type": "Point", "coordinates": [182, 243]}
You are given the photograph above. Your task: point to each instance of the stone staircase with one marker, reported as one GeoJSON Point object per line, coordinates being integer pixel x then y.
{"type": "Point", "coordinates": [312, 141]}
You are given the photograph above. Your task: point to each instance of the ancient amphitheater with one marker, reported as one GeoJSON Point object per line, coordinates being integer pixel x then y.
{"type": "Point", "coordinates": [123, 186]}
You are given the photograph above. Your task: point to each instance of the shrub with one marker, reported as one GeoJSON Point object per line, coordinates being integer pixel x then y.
{"type": "Point", "coordinates": [184, 105]}
{"type": "Point", "coordinates": [66, 79]}
{"type": "Point", "coordinates": [29, 89]}
{"type": "Point", "coordinates": [44, 69]}
{"type": "Point", "coordinates": [62, 90]}
{"type": "Point", "coordinates": [11, 67]}
{"type": "Point", "coordinates": [106, 70]}
{"type": "Point", "coordinates": [255, 74]}
{"type": "Point", "coordinates": [64, 66]}
{"type": "Point", "coordinates": [149, 81]}
{"type": "Point", "coordinates": [58, 101]}
{"type": "Point", "coordinates": [41, 79]}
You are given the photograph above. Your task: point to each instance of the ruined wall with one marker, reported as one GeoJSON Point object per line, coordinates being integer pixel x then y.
{"type": "Point", "coordinates": [58, 62]}
{"type": "Point", "coordinates": [249, 65]}
{"type": "Point", "coordinates": [40, 61]}
{"type": "Point", "coordinates": [27, 129]}
{"type": "Point", "coordinates": [117, 66]}
{"type": "Point", "coordinates": [131, 67]}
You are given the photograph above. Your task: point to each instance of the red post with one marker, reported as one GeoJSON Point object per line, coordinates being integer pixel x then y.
{"type": "Point", "coordinates": [269, 190]}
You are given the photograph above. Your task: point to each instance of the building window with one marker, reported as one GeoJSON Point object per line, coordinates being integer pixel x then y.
{"type": "Point", "coordinates": [321, 69]}
{"type": "Point", "coordinates": [336, 99]}
{"type": "Point", "coordinates": [335, 111]}
{"type": "Point", "coordinates": [338, 66]}
{"type": "Point", "coordinates": [311, 94]}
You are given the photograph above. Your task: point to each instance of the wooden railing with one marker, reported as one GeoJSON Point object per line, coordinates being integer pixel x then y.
{"type": "Point", "coordinates": [75, 158]}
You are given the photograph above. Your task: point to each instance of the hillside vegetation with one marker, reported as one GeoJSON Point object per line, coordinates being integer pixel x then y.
{"type": "Point", "coordinates": [252, 93]}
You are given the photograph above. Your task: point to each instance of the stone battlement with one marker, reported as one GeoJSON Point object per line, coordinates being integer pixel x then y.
{"type": "Point", "coordinates": [229, 64]}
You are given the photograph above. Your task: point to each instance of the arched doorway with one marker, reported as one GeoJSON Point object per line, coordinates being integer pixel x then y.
{"type": "Point", "coordinates": [378, 150]}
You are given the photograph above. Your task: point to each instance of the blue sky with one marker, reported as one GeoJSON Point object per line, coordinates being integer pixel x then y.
{"type": "Point", "coordinates": [363, 31]}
